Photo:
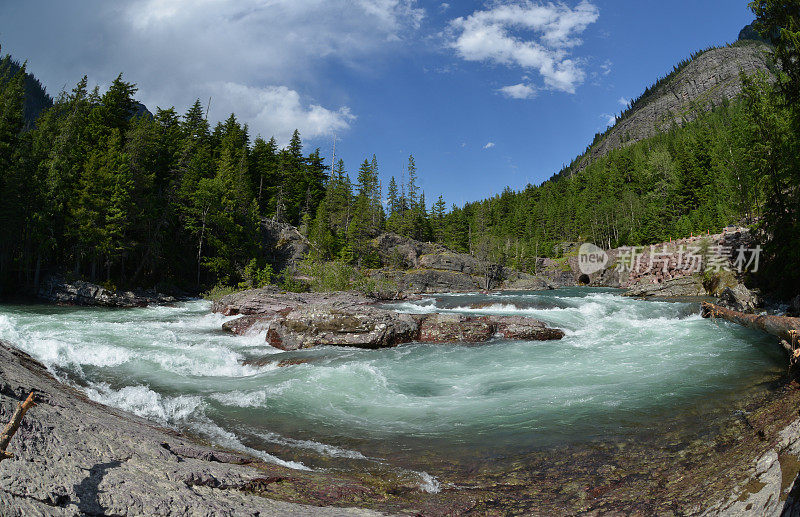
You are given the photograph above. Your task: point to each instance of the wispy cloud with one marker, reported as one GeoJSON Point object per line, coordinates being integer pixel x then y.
{"type": "Point", "coordinates": [609, 119]}
{"type": "Point", "coordinates": [624, 102]}
{"type": "Point", "coordinates": [489, 145]}
{"type": "Point", "coordinates": [529, 35]}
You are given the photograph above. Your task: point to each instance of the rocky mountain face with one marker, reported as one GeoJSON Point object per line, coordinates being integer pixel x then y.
{"type": "Point", "coordinates": [707, 81]}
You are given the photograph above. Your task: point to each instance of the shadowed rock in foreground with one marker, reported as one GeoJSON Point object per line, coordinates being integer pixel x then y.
{"type": "Point", "coordinates": [76, 457]}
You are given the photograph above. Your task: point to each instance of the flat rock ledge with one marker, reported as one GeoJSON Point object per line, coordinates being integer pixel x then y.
{"type": "Point", "coordinates": [299, 321]}
{"type": "Point", "coordinates": [75, 457]}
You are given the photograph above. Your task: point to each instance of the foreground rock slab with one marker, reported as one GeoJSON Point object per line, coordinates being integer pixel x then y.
{"type": "Point", "coordinates": [76, 457]}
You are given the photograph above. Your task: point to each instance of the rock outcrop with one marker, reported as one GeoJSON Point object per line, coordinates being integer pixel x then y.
{"type": "Point", "coordinates": [59, 291]}
{"type": "Point", "coordinates": [286, 245]}
{"type": "Point", "coordinates": [271, 301]}
{"type": "Point", "coordinates": [75, 457]}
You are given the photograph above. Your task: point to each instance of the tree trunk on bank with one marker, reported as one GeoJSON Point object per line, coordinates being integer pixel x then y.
{"type": "Point", "coordinates": [783, 327]}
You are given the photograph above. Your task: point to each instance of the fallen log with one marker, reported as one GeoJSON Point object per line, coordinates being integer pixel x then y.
{"type": "Point", "coordinates": [783, 327]}
{"type": "Point", "coordinates": [12, 426]}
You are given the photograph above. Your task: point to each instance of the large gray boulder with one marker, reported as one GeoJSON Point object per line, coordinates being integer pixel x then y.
{"type": "Point", "coordinates": [367, 327]}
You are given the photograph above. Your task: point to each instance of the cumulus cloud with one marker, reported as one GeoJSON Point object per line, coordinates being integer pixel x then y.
{"type": "Point", "coordinates": [529, 35]}
{"type": "Point", "coordinates": [519, 91]}
{"type": "Point", "coordinates": [181, 50]}
{"type": "Point", "coordinates": [281, 108]}
{"type": "Point", "coordinates": [255, 56]}
{"type": "Point", "coordinates": [489, 145]}
{"type": "Point", "coordinates": [624, 102]}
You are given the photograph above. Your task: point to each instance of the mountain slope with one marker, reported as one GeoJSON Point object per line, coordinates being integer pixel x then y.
{"type": "Point", "coordinates": [694, 87]}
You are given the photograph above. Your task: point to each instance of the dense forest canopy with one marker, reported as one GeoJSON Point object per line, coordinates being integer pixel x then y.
{"type": "Point", "coordinates": [99, 190]}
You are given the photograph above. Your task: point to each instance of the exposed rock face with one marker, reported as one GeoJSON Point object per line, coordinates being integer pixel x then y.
{"type": "Point", "coordinates": [677, 287]}
{"type": "Point", "coordinates": [435, 281]}
{"type": "Point", "coordinates": [57, 290]}
{"type": "Point", "coordinates": [75, 457]}
{"type": "Point", "coordinates": [367, 327]}
{"type": "Point", "coordinates": [531, 283]}
{"type": "Point", "coordinates": [704, 83]}
{"type": "Point", "coordinates": [287, 246]}
{"type": "Point", "coordinates": [739, 298]}
{"type": "Point", "coordinates": [401, 252]}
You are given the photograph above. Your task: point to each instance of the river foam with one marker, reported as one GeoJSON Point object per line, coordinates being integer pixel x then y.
{"type": "Point", "coordinates": [621, 364]}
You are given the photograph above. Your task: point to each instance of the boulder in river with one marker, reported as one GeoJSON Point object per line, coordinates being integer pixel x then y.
{"type": "Point", "coordinates": [367, 327]}
{"type": "Point", "coordinates": [739, 298]}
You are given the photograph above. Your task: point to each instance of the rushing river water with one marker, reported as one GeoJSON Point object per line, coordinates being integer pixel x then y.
{"type": "Point", "coordinates": [622, 366]}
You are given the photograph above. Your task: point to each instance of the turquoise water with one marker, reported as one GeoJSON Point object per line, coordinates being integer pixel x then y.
{"type": "Point", "coordinates": [622, 364]}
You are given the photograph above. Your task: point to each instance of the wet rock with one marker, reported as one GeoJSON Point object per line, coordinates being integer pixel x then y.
{"type": "Point", "coordinates": [455, 328]}
{"type": "Point", "coordinates": [246, 325]}
{"type": "Point", "coordinates": [531, 283]}
{"type": "Point", "coordinates": [525, 329]}
{"type": "Point", "coordinates": [367, 327]}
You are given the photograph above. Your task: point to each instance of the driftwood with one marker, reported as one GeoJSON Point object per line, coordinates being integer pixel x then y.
{"type": "Point", "coordinates": [13, 425]}
{"type": "Point", "coordinates": [783, 327]}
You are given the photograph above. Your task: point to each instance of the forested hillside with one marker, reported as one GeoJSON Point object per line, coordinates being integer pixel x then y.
{"type": "Point", "coordinates": [96, 191]}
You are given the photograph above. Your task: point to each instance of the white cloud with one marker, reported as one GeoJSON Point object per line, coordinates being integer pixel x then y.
{"type": "Point", "coordinates": [444, 6]}
{"type": "Point", "coordinates": [489, 145]}
{"type": "Point", "coordinates": [610, 119]}
{"type": "Point", "coordinates": [528, 35]}
{"type": "Point", "coordinates": [606, 67]}
{"type": "Point", "coordinates": [624, 102]}
{"type": "Point", "coordinates": [280, 107]}
{"type": "Point", "coordinates": [273, 49]}
{"type": "Point", "coordinates": [519, 91]}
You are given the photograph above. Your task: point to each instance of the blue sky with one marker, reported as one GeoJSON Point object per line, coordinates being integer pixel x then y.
{"type": "Point", "coordinates": [484, 94]}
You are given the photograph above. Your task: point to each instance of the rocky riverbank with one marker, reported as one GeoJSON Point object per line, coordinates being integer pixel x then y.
{"type": "Point", "coordinates": [58, 290]}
